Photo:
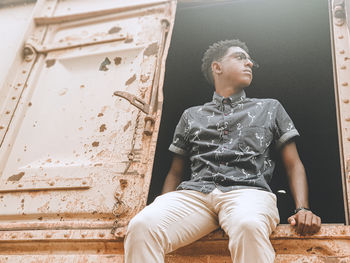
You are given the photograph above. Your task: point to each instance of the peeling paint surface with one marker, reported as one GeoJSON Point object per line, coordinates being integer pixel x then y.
{"type": "Point", "coordinates": [16, 177]}
{"type": "Point", "coordinates": [114, 30]}
{"type": "Point", "coordinates": [341, 37]}
{"type": "Point", "coordinates": [103, 128]}
{"type": "Point", "coordinates": [50, 62]}
{"type": "Point", "coordinates": [117, 60]}
{"type": "Point", "coordinates": [130, 80]}
{"type": "Point", "coordinates": [152, 49]}
{"type": "Point", "coordinates": [69, 138]}
{"type": "Point", "coordinates": [98, 245]}
{"type": "Point", "coordinates": [104, 64]}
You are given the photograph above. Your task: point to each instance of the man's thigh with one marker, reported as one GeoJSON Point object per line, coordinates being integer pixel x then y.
{"type": "Point", "coordinates": [238, 206]}
{"type": "Point", "coordinates": [179, 218]}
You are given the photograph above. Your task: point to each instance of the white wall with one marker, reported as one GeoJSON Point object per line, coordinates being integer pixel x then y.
{"type": "Point", "coordinates": [13, 24]}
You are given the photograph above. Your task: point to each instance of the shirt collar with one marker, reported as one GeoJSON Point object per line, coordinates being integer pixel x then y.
{"type": "Point", "coordinates": [219, 100]}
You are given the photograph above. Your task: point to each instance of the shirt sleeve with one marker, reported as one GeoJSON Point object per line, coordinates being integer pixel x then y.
{"type": "Point", "coordinates": [284, 127]}
{"type": "Point", "coordinates": [180, 143]}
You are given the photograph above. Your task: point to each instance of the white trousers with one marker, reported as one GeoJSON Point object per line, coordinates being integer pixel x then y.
{"type": "Point", "coordinates": [178, 218]}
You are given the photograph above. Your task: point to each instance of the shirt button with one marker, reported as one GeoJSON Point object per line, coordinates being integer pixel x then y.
{"type": "Point", "coordinates": [225, 114]}
{"type": "Point", "coordinates": [225, 132]}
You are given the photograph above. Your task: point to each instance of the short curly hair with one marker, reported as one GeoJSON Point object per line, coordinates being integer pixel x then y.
{"type": "Point", "coordinates": [215, 52]}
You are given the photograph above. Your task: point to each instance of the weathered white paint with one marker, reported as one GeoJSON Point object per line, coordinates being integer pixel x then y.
{"type": "Point", "coordinates": [66, 140]}
{"type": "Point", "coordinates": [13, 23]}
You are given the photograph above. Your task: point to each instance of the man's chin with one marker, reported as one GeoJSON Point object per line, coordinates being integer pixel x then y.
{"type": "Point", "coordinates": [246, 84]}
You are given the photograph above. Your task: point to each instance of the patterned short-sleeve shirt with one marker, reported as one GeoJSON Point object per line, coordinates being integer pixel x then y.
{"type": "Point", "coordinates": [228, 141]}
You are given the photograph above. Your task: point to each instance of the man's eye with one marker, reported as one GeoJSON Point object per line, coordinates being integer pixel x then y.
{"type": "Point", "coordinates": [241, 56]}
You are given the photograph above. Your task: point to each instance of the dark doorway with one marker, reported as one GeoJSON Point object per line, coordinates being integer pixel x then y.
{"type": "Point", "coordinates": [291, 42]}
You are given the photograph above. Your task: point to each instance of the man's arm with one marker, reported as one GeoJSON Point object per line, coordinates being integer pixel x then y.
{"type": "Point", "coordinates": [175, 173]}
{"type": "Point", "coordinates": [305, 221]}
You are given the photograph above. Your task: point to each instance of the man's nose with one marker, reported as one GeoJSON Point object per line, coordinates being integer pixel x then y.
{"type": "Point", "coordinates": [249, 63]}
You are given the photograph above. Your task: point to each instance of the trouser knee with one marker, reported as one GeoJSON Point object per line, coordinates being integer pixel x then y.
{"type": "Point", "coordinates": [251, 226]}
{"type": "Point", "coordinates": [142, 231]}
{"type": "Point", "coordinates": [249, 242]}
{"type": "Point", "coordinates": [137, 229]}
{"type": "Point", "coordinates": [247, 230]}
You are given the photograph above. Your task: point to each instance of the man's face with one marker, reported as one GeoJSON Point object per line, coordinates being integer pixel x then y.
{"type": "Point", "coordinates": [236, 67]}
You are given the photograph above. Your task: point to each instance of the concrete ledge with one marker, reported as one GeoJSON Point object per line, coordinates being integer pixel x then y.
{"type": "Point", "coordinates": [330, 245]}
{"type": "Point", "coordinates": [285, 231]}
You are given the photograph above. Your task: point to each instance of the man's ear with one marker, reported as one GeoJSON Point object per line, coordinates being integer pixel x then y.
{"type": "Point", "coordinates": [216, 67]}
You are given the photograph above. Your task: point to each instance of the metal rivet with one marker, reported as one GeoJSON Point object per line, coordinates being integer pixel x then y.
{"type": "Point", "coordinates": [52, 183]}
{"type": "Point", "coordinates": [48, 235]}
{"type": "Point", "coordinates": [84, 182]}
{"type": "Point", "coordinates": [13, 236]}
{"type": "Point", "coordinates": [345, 100]}
{"type": "Point", "coordinates": [345, 83]}
{"type": "Point", "coordinates": [341, 37]}
{"type": "Point", "coordinates": [20, 185]}
{"type": "Point", "coordinates": [342, 51]}
{"type": "Point", "coordinates": [343, 67]}
{"type": "Point", "coordinates": [101, 234]}
{"type": "Point", "coordinates": [339, 22]}
{"type": "Point", "coordinates": [66, 235]}
{"type": "Point", "coordinates": [30, 235]}
{"type": "Point", "coordinates": [83, 234]}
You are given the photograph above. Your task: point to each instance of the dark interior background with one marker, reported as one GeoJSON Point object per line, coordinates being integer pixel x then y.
{"type": "Point", "coordinates": [290, 40]}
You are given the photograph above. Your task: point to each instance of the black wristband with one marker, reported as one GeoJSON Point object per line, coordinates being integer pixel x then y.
{"type": "Point", "coordinates": [301, 208]}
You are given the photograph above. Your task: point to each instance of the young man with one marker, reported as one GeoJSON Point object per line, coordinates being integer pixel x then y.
{"type": "Point", "coordinates": [228, 142]}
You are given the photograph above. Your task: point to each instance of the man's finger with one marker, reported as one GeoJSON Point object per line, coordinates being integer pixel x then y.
{"type": "Point", "coordinates": [314, 226]}
{"type": "Point", "coordinates": [300, 218]}
{"type": "Point", "coordinates": [308, 223]}
{"type": "Point", "coordinates": [318, 224]}
{"type": "Point", "coordinates": [292, 221]}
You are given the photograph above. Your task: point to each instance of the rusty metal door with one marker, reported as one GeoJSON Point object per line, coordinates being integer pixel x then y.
{"type": "Point", "coordinates": [339, 21]}
{"type": "Point", "coordinates": [80, 112]}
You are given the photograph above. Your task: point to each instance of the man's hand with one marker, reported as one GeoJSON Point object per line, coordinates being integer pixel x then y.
{"type": "Point", "coordinates": [306, 222]}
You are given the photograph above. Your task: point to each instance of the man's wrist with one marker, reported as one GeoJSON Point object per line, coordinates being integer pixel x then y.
{"type": "Point", "coordinates": [301, 208]}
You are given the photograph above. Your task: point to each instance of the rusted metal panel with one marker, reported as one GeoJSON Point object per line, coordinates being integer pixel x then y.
{"type": "Point", "coordinates": [71, 149]}
{"type": "Point", "coordinates": [331, 244]}
{"type": "Point", "coordinates": [341, 67]}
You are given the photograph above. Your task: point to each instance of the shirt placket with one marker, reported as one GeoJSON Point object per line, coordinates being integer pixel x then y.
{"type": "Point", "coordinates": [226, 109]}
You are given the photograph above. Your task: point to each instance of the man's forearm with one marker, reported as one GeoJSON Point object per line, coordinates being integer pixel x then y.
{"type": "Point", "coordinates": [171, 182]}
{"type": "Point", "coordinates": [298, 184]}
{"type": "Point", "coordinates": [306, 222]}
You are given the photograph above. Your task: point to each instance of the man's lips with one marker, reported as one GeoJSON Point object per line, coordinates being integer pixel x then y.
{"type": "Point", "coordinates": [247, 71]}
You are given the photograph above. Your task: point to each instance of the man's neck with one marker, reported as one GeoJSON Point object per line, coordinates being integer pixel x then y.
{"type": "Point", "coordinates": [227, 91]}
